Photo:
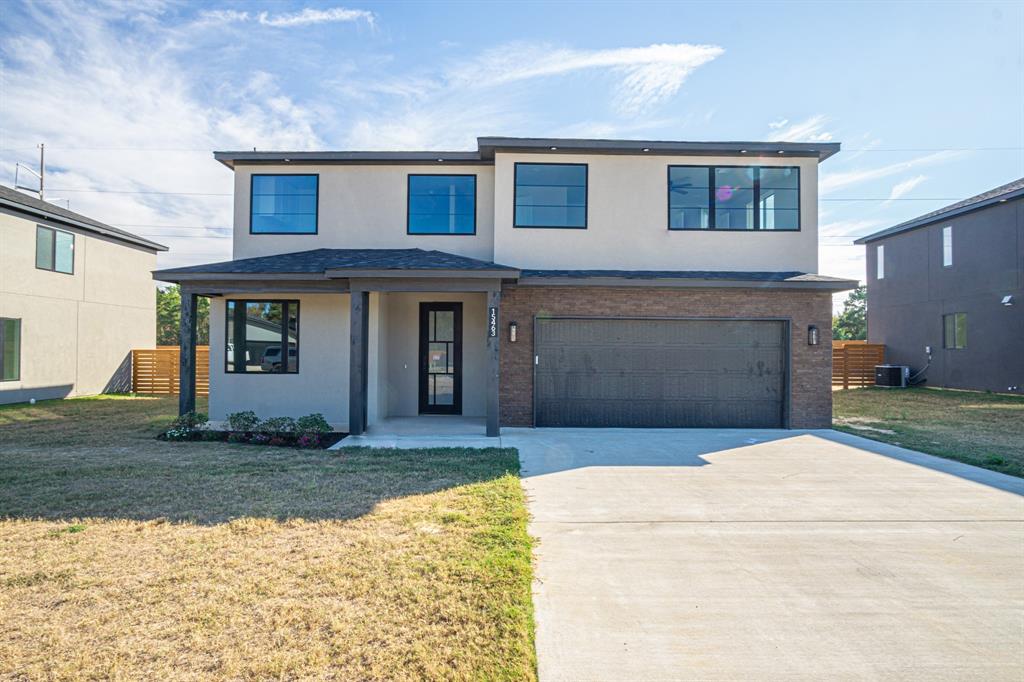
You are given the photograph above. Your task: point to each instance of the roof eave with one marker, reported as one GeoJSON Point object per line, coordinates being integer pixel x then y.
{"type": "Point", "coordinates": [931, 220]}
{"type": "Point", "coordinates": [823, 150]}
{"type": "Point", "coordinates": [64, 220]}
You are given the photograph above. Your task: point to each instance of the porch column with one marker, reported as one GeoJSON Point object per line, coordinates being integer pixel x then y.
{"type": "Point", "coordinates": [358, 358]}
{"type": "Point", "coordinates": [187, 352]}
{"type": "Point", "coordinates": [493, 360]}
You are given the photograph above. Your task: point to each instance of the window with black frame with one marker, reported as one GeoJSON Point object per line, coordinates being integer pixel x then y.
{"type": "Point", "coordinates": [552, 195]}
{"type": "Point", "coordinates": [262, 337]}
{"type": "Point", "coordinates": [954, 331]}
{"type": "Point", "coordinates": [441, 204]}
{"type": "Point", "coordinates": [55, 250]}
{"type": "Point", "coordinates": [284, 204]}
{"type": "Point", "coordinates": [10, 349]}
{"type": "Point", "coordinates": [734, 198]}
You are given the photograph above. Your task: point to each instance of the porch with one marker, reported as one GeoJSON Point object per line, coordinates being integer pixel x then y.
{"type": "Point", "coordinates": [378, 341]}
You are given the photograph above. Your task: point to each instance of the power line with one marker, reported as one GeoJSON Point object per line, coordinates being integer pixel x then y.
{"type": "Point", "coordinates": [895, 199]}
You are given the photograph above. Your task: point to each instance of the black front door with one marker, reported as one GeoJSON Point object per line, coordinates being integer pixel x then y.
{"type": "Point", "coordinates": [440, 358]}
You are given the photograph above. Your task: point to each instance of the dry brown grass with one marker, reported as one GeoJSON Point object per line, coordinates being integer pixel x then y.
{"type": "Point", "coordinates": [123, 557]}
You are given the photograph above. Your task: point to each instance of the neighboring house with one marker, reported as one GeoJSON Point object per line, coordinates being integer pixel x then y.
{"type": "Point", "coordinates": [547, 282]}
{"type": "Point", "coordinates": [75, 297]}
{"type": "Point", "coordinates": [952, 281]}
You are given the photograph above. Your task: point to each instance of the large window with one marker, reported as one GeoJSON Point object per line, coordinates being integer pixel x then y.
{"type": "Point", "coordinates": [954, 331]}
{"type": "Point", "coordinates": [733, 198]}
{"type": "Point", "coordinates": [947, 246]}
{"type": "Point", "coordinates": [55, 250]}
{"type": "Point", "coordinates": [10, 349]}
{"type": "Point", "coordinates": [551, 195]}
{"type": "Point", "coordinates": [442, 204]}
{"type": "Point", "coordinates": [283, 204]}
{"type": "Point", "coordinates": [260, 335]}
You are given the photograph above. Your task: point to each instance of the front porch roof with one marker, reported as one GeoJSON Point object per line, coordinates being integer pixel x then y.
{"type": "Point", "coordinates": [342, 263]}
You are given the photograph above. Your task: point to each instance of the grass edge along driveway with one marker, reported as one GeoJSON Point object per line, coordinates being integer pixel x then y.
{"type": "Point", "coordinates": [127, 557]}
{"type": "Point", "coordinates": [982, 429]}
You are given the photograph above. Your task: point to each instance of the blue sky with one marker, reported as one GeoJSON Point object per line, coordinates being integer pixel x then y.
{"type": "Point", "coordinates": [927, 98]}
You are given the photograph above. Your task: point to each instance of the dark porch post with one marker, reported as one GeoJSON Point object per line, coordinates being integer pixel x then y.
{"type": "Point", "coordinates": [187, 353]}
{"type": "Point", "coordinates": [358, 358]}
{"type": "Point", "coordinates": [493, 361]}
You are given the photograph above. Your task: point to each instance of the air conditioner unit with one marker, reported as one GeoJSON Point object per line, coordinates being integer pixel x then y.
{"type": "Point", "coordinates": [892, 376]}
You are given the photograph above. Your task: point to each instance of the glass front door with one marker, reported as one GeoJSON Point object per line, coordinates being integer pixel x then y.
{"type": "Point", "coordinates": [441, 358]}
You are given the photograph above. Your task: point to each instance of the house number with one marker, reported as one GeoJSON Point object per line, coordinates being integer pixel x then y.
{"type": "Point", "coordinates": [492, 322]}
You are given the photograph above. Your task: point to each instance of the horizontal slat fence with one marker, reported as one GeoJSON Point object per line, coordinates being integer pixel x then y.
{"type": "Point", "coordinates": [155, 370]}
{"type": "Point", "coordinates": [853, 362]}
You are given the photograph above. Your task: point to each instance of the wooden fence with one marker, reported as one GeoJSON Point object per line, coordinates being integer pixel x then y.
{"type": "Point", "coordinates": [155, 370]}
{"type": "Point", "coordinates": [853, 362]}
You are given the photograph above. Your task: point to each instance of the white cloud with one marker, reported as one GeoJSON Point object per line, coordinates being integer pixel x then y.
{"type": "Point", "coordinates": [222, 16]}
{"type": "Point", "coordinates": [902, 188]}
{"type": "Point", "coordinates": [316, 16]}
{"type": "Point", "coordinates": [809, 130]}
{"type": "Point", "coordinates": [849, 228]}
{"type": "Point", "coordinates": [648, 75]}
{"type": "Point", "coordinates": [832, 181]}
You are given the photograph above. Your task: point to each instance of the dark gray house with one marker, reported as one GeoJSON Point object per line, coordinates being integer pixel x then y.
{"type": "Point", "coordinates": [946, 292]}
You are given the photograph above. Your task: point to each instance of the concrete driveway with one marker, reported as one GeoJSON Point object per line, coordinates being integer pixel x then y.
{"type": "Point", "coordinates": [716, 554]}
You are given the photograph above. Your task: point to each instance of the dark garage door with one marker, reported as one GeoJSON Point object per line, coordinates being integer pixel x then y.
{"type": "Point", "coordinates": [660, 373]}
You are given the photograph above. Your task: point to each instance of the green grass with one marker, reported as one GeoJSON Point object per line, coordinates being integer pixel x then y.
{"type": "Point", "coordinates": [128, 557]}
{"type": "Point", "coordinates": [983, 429]}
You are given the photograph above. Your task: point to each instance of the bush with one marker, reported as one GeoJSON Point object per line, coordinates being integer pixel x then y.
{"type": "Point", "coordinates": [238, 438]}
{"type": "Point", "coordinates": [277, 425]}
{"type": "Point", "coordinates": [312, 425]}
{"type": "Point", "coordinates": [308, 440]}
{"type": "Point", "coordinates": [243, 421]}
{"type": "Point", "coordinates": [259, 438]}
{"type": "Point", "coordinates": [186, 427]}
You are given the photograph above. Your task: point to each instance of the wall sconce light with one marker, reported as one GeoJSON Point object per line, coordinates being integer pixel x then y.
{"type": "Point", "coordinates": [1008, 300]}
{"type": "Point", "coordinates": [513, 328]}
{"type": "Point", "coordinates": [812, 335]}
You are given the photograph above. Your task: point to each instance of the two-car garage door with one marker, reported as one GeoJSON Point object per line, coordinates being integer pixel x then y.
{"type": "Point", "coordinates": [660, 372]}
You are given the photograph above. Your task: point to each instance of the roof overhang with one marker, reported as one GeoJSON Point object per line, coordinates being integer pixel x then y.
{"type": "Point", "coordinates": [85, 227]}
{"type": "Point", "coordinates": [231, 159]}
{"type": "Point", "coordinates": [939, 217]}
{"type": "Point", "coordinates": [826, 284]}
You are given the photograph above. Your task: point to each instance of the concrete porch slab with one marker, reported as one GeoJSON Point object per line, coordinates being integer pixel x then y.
{"type": "Point", "coordinates": [424, 431]}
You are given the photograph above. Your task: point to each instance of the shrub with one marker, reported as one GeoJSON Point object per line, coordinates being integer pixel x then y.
{"type": "Point", "coordinates": [277, 425]}
{"type": "Point", "coordinates": [243, 421]}
{"type": "Point", "coordinates": [312, 425]}
{"type": "Point", "coordinates": [308, 440]}
{"type": "Point", "coordinates": [278, 441]}
{"type": "Point", "coordinates": [259, 438]}
{"type": "Point", "coordinates": [237, 438]}
{"type": "Point", "coordinates": [186, 427]}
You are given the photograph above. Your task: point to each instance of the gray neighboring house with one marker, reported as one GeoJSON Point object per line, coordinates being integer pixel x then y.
{"type": "Point", "coordinates": [529, 282]}
{"type": "Point", "coordinates": [953, 281]}
{"type": "Point", "coordinates": [76, 297]}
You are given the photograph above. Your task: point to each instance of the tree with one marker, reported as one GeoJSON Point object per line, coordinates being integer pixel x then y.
{"type": "Point", "coordinates": [852, 324]}
{"type": "Point", "coordinates": [168, 317]}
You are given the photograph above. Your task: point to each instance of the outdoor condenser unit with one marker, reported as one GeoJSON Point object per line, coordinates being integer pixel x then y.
{"type": "Point", "coordinates": [892, 376]}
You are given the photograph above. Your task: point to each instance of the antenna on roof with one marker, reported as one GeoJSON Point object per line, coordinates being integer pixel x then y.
{"type": "Point", "coordinates": [41, 174]}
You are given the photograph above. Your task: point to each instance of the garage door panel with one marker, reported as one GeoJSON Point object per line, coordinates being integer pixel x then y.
{"type": "Point", "coordinates": [660, 373]}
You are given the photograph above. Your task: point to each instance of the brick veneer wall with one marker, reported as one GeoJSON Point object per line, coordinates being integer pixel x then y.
{"type": "Point", "coordinates": [811, 366]}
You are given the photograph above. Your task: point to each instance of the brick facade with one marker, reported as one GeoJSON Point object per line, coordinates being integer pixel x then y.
{"type": "Point", "coordinates": [810, 366]}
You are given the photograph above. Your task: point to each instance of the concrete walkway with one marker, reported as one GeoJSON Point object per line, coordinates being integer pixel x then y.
{"type": "Point", "coordinates": [725, 555]}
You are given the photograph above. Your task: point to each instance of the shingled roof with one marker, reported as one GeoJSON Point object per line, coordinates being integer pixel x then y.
{"type": "Point", "coordinates": [17, 201]}
{"type": "Point", "coordinates": [1011, 190]}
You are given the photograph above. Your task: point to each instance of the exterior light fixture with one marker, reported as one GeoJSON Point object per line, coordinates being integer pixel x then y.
{"type": "Point", "coordinates": [812, 335]}
{"type": "Point", "coordinates": [782, 151]}
{"type": "Point", "coordinates": [440, 160]}
{"type": "Point", "coordinates": [287, 160]}
{"type": "Point", "coordinates": [554, 149]}
{"type": "Point", "coordinates": [743, 151]}
{"type": "Point", "coordinates": [513, 330]}
{"type": "Point", "coordinates": [646, 149]}
{"type": "Point", "coordinates": [1008, 299]}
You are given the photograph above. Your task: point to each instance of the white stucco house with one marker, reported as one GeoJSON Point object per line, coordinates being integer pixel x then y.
{"type": "Point", "coordinates": [76, 296]}
{"type": "Point", "coordinates": [548, 282]}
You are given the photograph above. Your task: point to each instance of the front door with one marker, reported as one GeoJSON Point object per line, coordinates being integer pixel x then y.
{"type": "Point", "coordinates": [440, 358]}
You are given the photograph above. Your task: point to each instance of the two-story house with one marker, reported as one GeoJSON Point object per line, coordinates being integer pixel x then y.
{"type": "Point", "coordinates": [76, 296]}
{"type": "Point", "coordinates": [946, 292]}
{"type": "Point", "coordinates": [547, 282]}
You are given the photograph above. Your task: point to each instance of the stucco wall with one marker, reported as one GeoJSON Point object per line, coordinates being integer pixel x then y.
{"type": "Point", "coordinates": [627, 221]}
{"type": "Point", "coordinates": [402, 342]}
{"type": "Point", "coordinates": [321, 385]}
{"type": "Point", "coordinates": [77, 329]}
{"type": "Point", "coordinates": [364, 207]}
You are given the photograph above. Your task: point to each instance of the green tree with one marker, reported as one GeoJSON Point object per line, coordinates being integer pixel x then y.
{"type": "Point", "coordinates": [168, 317]}
{"type": "Point", "coordinates": [852, 323]}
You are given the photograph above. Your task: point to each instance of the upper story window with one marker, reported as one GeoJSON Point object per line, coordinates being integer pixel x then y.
{"type": "Point", "coordinates": [10, 349]}
{"type": "Point", "coordinates": [551, 195]}
{"type": "Point", "coordinates": [284, 204]}
{"type": "Point", "coordinates": [954, 331]}
{"type": "Point", "coordinates": [880, 261]}
{"type": "Point", "coordinates": [947, 246]}
{"type": "Point", "coordinates": [260, 335]}
{"type": "Point", "coordinates": [733, 198]}
{"type": "Point", "coordinates": [55, 250]}
{"type": "Point", "coordinates": [442, 204]}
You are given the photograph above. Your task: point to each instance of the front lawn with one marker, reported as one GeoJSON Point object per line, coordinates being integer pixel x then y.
{"type": "Point", "coordinates": [983, 429]}
{"type": "Point", "coordinates": [126, 557]}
